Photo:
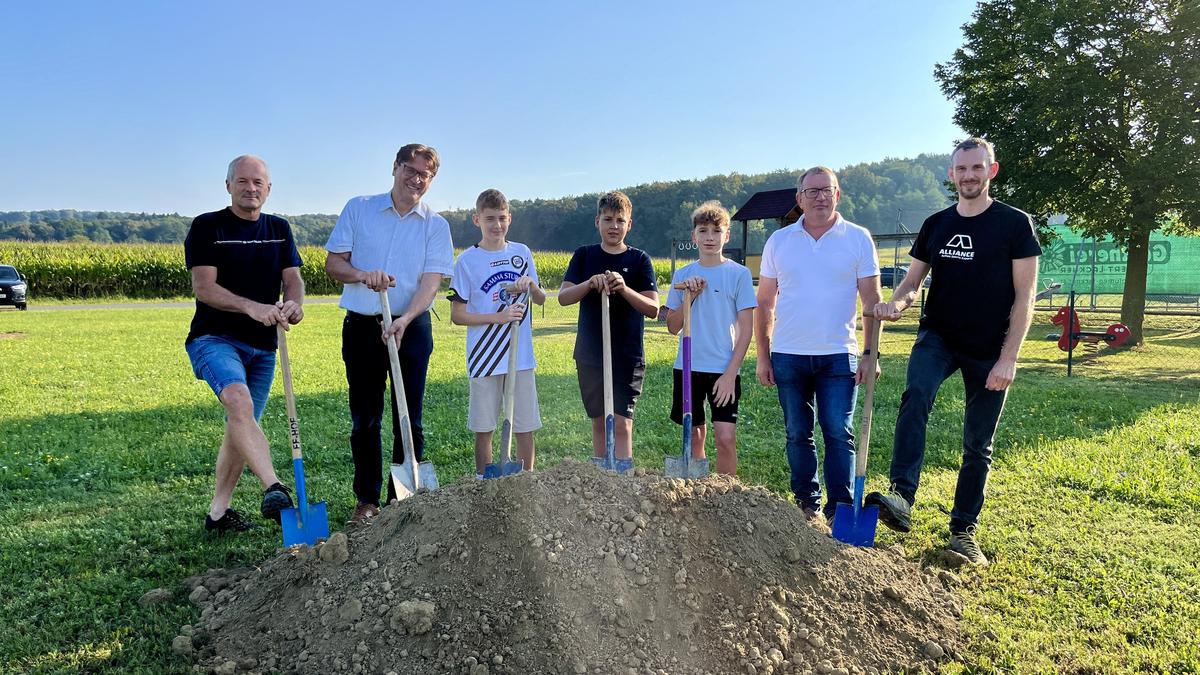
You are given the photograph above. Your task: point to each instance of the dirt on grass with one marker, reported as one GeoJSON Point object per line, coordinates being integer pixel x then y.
{"type": "Point", "coordinates": [576, 570]}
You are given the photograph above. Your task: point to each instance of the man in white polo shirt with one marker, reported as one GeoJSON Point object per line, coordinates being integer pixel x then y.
{"type": "Point", "coordinates": [805, 327]}
{"type": "Point", "coordinates": [378, 240]}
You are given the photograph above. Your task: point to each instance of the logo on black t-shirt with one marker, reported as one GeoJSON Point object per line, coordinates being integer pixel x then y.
{"type": "Point", "coordinates": [958, 247]}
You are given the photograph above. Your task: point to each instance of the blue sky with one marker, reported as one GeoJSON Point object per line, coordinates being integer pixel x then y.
{"type": "Point", "coordinates": [138, 106]}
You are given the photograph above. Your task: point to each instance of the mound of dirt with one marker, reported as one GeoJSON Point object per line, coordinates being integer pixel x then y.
{"type": "Point", "coordinates": [575, 570]}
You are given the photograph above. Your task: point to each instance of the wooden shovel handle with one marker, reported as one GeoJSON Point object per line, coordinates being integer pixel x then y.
{"type": "Point", "coordinates": [864, 431]}
{"type": "Point", "coordinates": [510, 380]}
{"type": "Point", "coordinates": [606, 357]}
{"type": "Point", "coordinates": [286, 365]}
{"type": "Point", "coordinates": [398, 387]}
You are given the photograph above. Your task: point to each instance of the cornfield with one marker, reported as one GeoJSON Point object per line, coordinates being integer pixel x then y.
{"type": "Point", "coordinates": [87, 270]}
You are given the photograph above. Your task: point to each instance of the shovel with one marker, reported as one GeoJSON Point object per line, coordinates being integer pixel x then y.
{"type": "Point", "coordinates": [684, 466]}
{"type": "Point", "coordinates": [408, 477]}
{"type": "Point", "coordinates": [306, 523]}
{"type": "Point", "coordinates": [507, 467]}
{"type": "Point", "coordinates": [855, 524]}
{"type": "Point", "coordinates": [609, 460]}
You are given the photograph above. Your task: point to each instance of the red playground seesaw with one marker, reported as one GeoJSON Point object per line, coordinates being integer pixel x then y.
{"type": "Point", "coordinates": [1073, 332]}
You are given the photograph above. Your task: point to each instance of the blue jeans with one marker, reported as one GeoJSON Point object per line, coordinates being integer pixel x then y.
{"type": "Point", "coordinates": [221, 361]}
{"type": "Point", "coordinates": [819, 388]}
{"type": "Point", "coordinates": [931, 362]}
{"type": "Point", "coordinates": [368, 370]}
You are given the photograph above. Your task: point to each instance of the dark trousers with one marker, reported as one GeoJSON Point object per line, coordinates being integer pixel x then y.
{"type": "Point", "coordinates": [367, 371]}
{"type": "Point", "coordinates": [931, 362]}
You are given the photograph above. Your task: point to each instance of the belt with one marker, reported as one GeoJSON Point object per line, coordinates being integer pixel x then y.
{"type": "Point", "coordinates": [364, 317]}
{"type": "Point", "coordinates": [376, 317]}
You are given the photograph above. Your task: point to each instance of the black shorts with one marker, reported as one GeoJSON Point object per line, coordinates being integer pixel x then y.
{"type": "Point", "coordinates": [627, 387]}
{"type": "Point", "coordinates": [702, 390]}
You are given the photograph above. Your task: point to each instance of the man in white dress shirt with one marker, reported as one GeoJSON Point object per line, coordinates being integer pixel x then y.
{"type": "Point", "coordinates": [378, 240]}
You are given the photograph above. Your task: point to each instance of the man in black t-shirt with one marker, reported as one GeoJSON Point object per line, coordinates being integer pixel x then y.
{"type": "Point", "coordinates": [984, 257]}
{"type": "Point", "coordinates": [238, 257]}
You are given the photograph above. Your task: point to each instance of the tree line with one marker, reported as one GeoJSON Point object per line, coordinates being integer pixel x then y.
{"type": "Point", "coordinates": [877, 195]}
{"type": "Point", "coordinates": [116, 227]}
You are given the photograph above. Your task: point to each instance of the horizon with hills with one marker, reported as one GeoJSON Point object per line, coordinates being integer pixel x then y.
{"type": "Point", "coordinates": [880, 196]}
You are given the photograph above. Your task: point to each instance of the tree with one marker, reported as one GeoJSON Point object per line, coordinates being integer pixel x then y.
{"type": "Point", "coordinates": [1094, 107]}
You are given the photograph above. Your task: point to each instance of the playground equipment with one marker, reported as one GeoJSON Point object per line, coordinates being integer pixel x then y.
{"type": "Point", "coordinates": [1072, 332]}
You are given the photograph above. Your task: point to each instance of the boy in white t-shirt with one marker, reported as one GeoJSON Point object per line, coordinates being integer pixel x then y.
{"type": "Point", "coordinates": [479, 300]}
{"type": "Point", "coordinates": [722, 320]}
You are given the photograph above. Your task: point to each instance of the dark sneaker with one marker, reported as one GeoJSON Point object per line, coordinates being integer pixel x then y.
{"type": "Point", "coordinates": [815, 518]}
{"type": "Point", "coordinates": [831, 510]}
{"type": "Point", "coordinates": [232, 521]}
{"type": "Point", "coordinates": [894, 509]}
{"type": "Point", "coordinates": [275, 499]}
{"type": "Point", "coordinates": [364, 512]}
{"type": "Point", "coordinates": [964, 544]}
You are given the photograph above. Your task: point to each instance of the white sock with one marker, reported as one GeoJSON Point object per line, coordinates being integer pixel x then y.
{"type": "Point", "coordinates": [478, 476]}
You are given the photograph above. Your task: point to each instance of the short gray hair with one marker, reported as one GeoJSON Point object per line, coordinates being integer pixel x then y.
{"type": "Point", "coordinates": [242, 158]}
{"type": "Point", "coordinates": [816, 170]}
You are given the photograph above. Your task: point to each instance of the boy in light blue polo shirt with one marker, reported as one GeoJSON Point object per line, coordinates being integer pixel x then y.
{"type": "Point", "coordinates": [722, 321]}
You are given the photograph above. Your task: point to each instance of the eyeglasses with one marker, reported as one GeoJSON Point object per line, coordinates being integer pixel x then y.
{"type": "Point", "coordinates": [813, 193]}
{"type": "Point", "coordinates": [410, 172]}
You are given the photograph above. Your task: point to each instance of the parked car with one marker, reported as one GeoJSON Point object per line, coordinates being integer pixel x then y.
{"type": "Point", "coordinates": [13, 287]}
{"type": "Point", "coordinates": [890, 277]}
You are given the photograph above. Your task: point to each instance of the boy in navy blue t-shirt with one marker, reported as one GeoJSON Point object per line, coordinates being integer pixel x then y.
{"type": "Point", "coordinates": [627, 276]}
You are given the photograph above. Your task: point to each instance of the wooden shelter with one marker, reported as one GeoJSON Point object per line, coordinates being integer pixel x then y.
{"type": "Point", "coordinates": [777, 205]}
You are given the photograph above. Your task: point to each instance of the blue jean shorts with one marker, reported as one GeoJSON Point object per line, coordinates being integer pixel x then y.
{"type": "Point", "coordinates": [222, 361]}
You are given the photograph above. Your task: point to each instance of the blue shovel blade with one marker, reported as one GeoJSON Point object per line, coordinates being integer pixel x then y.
{"type": "Point", "coordinates": [678, 466]}
{"type": "Point", "coordinates": [492, 471]}
{"type": "Point", "coordinates": [856, 529]}
{"type": "Point", "coordinates": [608, 462]}
{"type": "Point", "coordinates": [603, 463]}
{"type": "Point", "coordinates": [299, 530]}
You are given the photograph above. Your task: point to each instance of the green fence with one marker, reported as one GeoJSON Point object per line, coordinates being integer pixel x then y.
{"type": "Point", "coordinates": [1097, 266]}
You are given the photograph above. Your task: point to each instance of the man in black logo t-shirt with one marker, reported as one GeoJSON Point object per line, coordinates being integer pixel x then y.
{"type": "Point", "coordinates": [983, 255]}
{"type": "Point", "coordinates": [239, 256]}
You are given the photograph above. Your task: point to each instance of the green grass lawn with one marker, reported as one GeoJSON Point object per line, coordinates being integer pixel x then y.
{"type": "Point", "coordinates": [107, 445]}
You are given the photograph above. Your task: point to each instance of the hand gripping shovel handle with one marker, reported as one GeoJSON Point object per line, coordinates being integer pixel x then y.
{"type": "Point", "coordinates": [410, 457]}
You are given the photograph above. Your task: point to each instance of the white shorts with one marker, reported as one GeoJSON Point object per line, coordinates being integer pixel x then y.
{"type": "Point", "coordinates": [487, 396]}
